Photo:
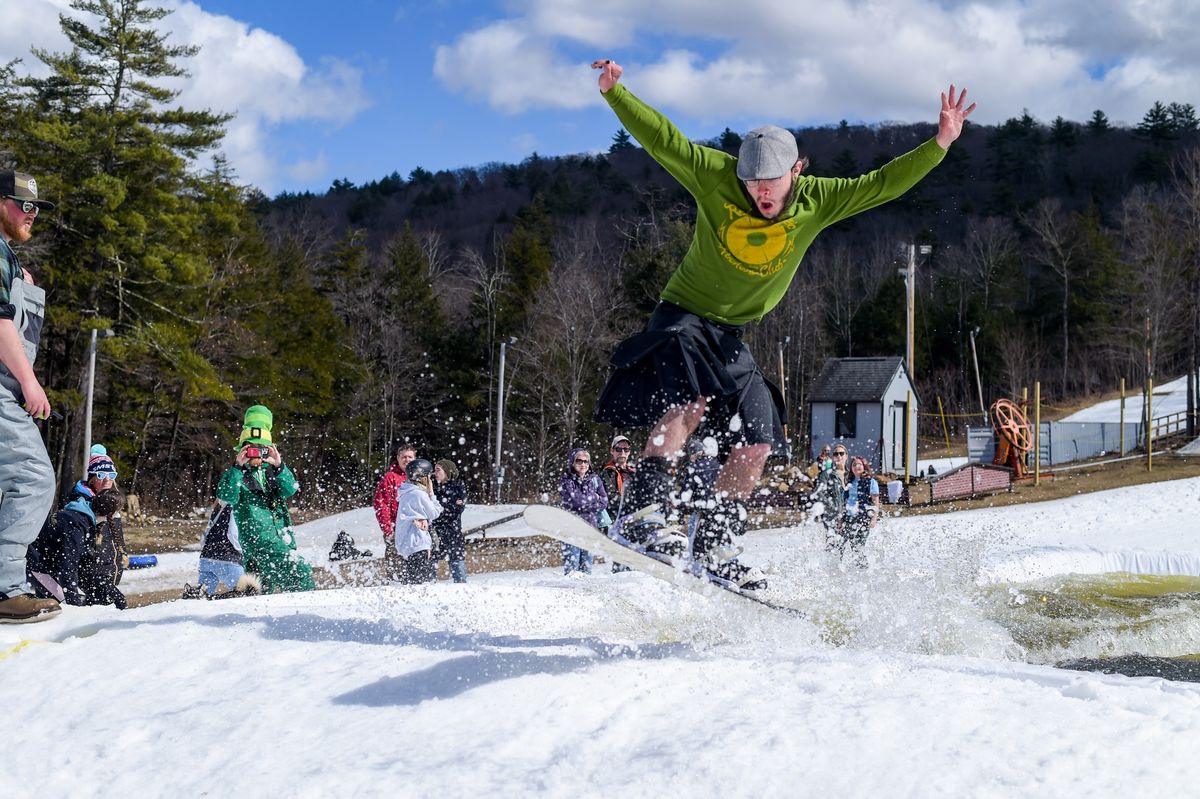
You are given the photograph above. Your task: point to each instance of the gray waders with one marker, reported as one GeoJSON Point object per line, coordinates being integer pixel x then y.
{"type": "Point", "coordinates": [26, 476]}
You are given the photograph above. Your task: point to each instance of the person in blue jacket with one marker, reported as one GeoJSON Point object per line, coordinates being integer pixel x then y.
{"type": "Point", "coordinates": [583, 494]}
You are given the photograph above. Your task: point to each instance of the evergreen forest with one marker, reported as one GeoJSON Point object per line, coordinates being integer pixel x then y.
{"type": "Point", "coordinates": [368, 315]}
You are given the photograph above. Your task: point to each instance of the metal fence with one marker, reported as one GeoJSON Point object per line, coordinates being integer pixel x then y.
{"type": "Point", "coordinates": [1064, 442]}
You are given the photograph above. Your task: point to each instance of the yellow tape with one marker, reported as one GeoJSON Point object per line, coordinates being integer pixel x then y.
{"type": "Point", "coordinates": [12, 650]}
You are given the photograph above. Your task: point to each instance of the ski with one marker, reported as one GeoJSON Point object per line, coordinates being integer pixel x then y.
{"type": "Point", "coordinates": [565, 526]}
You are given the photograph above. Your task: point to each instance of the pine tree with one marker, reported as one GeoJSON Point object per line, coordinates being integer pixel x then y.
{"type": "Point", "coordinates": [729, 141]}
{"type": "Point", "coordinates": [1183, 117]}
{"type": "Point", "coordinates": [1156, 125]}
{"type": "Point", "coordinates": [1063, 133]}
{"type": "Point", "coordinates": [845, 165]}
{"type": "Point", "coordinates": [527, 259]}
{"type": "Point", "coordinates": [100, 134]}
{"type": "Point", "coordinates": [621, 141]}
{"type": "Point", "coordinates": [1098, 125]}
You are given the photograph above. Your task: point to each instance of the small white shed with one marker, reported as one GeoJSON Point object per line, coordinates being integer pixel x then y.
{"type": "Point", "coordinates": [863, 403]}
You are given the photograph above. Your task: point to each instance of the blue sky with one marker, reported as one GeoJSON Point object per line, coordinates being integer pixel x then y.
{"type": "Point", "coordinates": [362, 88]}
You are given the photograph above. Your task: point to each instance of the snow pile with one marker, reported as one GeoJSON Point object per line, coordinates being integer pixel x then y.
{"type": "Point", "coordinates": [536, 683]}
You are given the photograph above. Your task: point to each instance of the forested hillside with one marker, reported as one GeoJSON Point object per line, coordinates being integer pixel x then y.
{"type": "Point", "coordinates": [369, 314]}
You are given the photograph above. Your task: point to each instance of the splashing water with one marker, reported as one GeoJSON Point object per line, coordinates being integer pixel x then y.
{"type": "Point", "coordinates": [921, 593]}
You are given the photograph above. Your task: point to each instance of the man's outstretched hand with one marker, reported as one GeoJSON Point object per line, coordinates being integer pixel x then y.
{"type": "Point", "coordinates": [610, 72]}
{"type": "Point", "coordinates": [950, 120]}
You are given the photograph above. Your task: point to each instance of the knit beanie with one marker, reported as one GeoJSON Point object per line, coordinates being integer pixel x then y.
{"type": "Point", "coordinates": [256, 426]}
{"type": "Point", "coordinates": [449, 468]}
{"type": "Point", "coordinates": [98, 460]}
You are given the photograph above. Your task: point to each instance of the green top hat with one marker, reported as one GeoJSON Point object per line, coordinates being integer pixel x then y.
{"type": "Point", "coordinates": [256, 426]}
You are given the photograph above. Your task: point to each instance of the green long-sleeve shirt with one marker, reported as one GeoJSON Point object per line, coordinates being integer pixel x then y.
{"type": "Point", "coordinates": [740, 265]}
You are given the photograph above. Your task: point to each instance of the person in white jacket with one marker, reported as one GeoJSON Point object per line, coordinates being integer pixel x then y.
{"type": "Point", "coordinates": [416, 509]}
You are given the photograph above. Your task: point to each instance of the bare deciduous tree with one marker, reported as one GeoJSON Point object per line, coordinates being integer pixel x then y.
{"type": "Point", "coordinates": [1056, 248]}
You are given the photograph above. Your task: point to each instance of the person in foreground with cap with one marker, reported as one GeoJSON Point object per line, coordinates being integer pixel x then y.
{"type": "Point", "coordinates": [689, 371]}
{"type": "Point", "coordinates": [26, 475]}
{"type": "Point", "coordinates": [258, 486]}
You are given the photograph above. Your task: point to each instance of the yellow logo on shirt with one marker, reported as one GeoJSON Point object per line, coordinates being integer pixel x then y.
{"type": "Point", "coordinates": [758, 247]}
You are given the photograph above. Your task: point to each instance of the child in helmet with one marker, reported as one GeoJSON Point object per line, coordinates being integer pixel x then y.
{"type": "Point", "coordinates": [416, 509]}
{"type": "Point", "coordinates": [257, 487]}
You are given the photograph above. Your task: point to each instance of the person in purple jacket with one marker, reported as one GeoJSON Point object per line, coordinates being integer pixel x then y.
{"type": "Point", "coordinates": [583, 494]}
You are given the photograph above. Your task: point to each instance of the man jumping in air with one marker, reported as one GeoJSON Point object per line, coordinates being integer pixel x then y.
{"type": "Point", "coordinates": [757, 214]}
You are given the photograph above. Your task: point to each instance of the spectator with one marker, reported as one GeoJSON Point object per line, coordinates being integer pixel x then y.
{"type": "Point", "coordinates": [416, 510]}
{"type": "Point", "coordinates": [257, 488]}
{"type": "Point", "coordinates": [614, 475]}
{"type": "Point", "coordinates": [26, 476]}
{"type": "Point", "coordinates": [582, 493]}
{"type": "Point", "coordinates": [74, 558]}
{"type": "Point", "coordinates": [829, 497]}
{"type": "Point", "coordinates": [102, 563]}
{"type": "Point", "coordinates": [451, 494]}
{"type": "Point", "coordinates": [221, 556]}
{"type": "Point", "coordinates": [386, 493]}
{"type": "Point", "coordinates": [862, 508]}
{"type": "Point", "coordinates": [823, 461]}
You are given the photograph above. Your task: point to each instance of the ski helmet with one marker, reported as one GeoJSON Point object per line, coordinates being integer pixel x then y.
{"type": "Point", "coordinates": [418, 468]}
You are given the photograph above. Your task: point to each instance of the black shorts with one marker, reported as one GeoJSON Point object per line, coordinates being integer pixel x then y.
{"type": "Point", "coordinates": [681, 356]}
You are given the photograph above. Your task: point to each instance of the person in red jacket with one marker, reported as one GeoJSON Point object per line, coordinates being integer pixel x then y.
{"type": "Point", "coordinates": [386, 500]}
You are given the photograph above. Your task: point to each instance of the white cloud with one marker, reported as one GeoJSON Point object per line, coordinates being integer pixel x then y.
{"type": "Point", "coordinates": [763, 59]}
{"type": "Point", "coordinates": [512, 70]}
{"type": "Point", "coordinates": [310, 169]}
{"type": "Point", "coordinates": [242, 70]}
{"type": "Point", "coordinates": [524, 144]}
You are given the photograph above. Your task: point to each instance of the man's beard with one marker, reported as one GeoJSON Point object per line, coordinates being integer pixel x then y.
{"type": "Point", "coordinates": [14, 230]}
{"type": "Point", "coordinates": [784, 204]}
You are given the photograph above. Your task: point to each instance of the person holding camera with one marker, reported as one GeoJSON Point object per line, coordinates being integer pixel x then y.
{"type": "Point", "coordinates": [416, 509]}
{"type": "Point", "coordinates": [257, 487]}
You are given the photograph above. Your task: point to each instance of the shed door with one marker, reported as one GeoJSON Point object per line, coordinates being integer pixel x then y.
{"type": "Point", "coordinates": [899, 434]}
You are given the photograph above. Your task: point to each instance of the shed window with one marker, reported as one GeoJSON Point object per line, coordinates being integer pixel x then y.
{"type": "Point", "coordinates": [845, 415]}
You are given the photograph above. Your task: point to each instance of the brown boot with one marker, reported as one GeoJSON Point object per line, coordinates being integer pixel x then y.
{"type": "Point", "coordinates": [24, 608]}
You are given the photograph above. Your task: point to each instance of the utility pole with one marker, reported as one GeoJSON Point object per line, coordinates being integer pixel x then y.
{"type": "Point", "coordinates": [910, 251]}
{"type": "Point", "coordinates": [500, 417]}
{"type": "Point", "coordinates": [87, 412]}
{"type": "Point", "coordinates": [783, 392]}
{"type": "Point", "coordinates": [978, 381]}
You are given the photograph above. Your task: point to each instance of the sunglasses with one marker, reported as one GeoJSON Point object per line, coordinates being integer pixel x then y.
{"type": "Point", "coordinates": [26, 206]}
{"type": "Point", "coordinates": [839, 454]}
{"type": "Point", "coordinates": [582, 460]}
{"type": "Point", "coordinates": [105, 475]}
{"type": "Point", "coordinates": [622, 449]}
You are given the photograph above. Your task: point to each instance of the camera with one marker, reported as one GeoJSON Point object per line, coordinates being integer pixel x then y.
{"type": "Point", "coordinates": [254, 452]}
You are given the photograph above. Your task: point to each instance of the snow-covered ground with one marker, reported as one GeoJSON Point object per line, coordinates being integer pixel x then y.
{"type": "Point", "coordinates": [1168, 398]}
{"type": "Point", "coordinates": [513, 684]}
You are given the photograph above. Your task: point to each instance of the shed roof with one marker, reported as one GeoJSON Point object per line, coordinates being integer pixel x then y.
{"type": "Point", "coordinates": [855, 379]}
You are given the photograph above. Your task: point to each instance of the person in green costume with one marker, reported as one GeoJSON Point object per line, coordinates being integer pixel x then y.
{"type": "Point", "coordinates": [689, 373]}
{"type": "Point", "coordinates": [257, 487]}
